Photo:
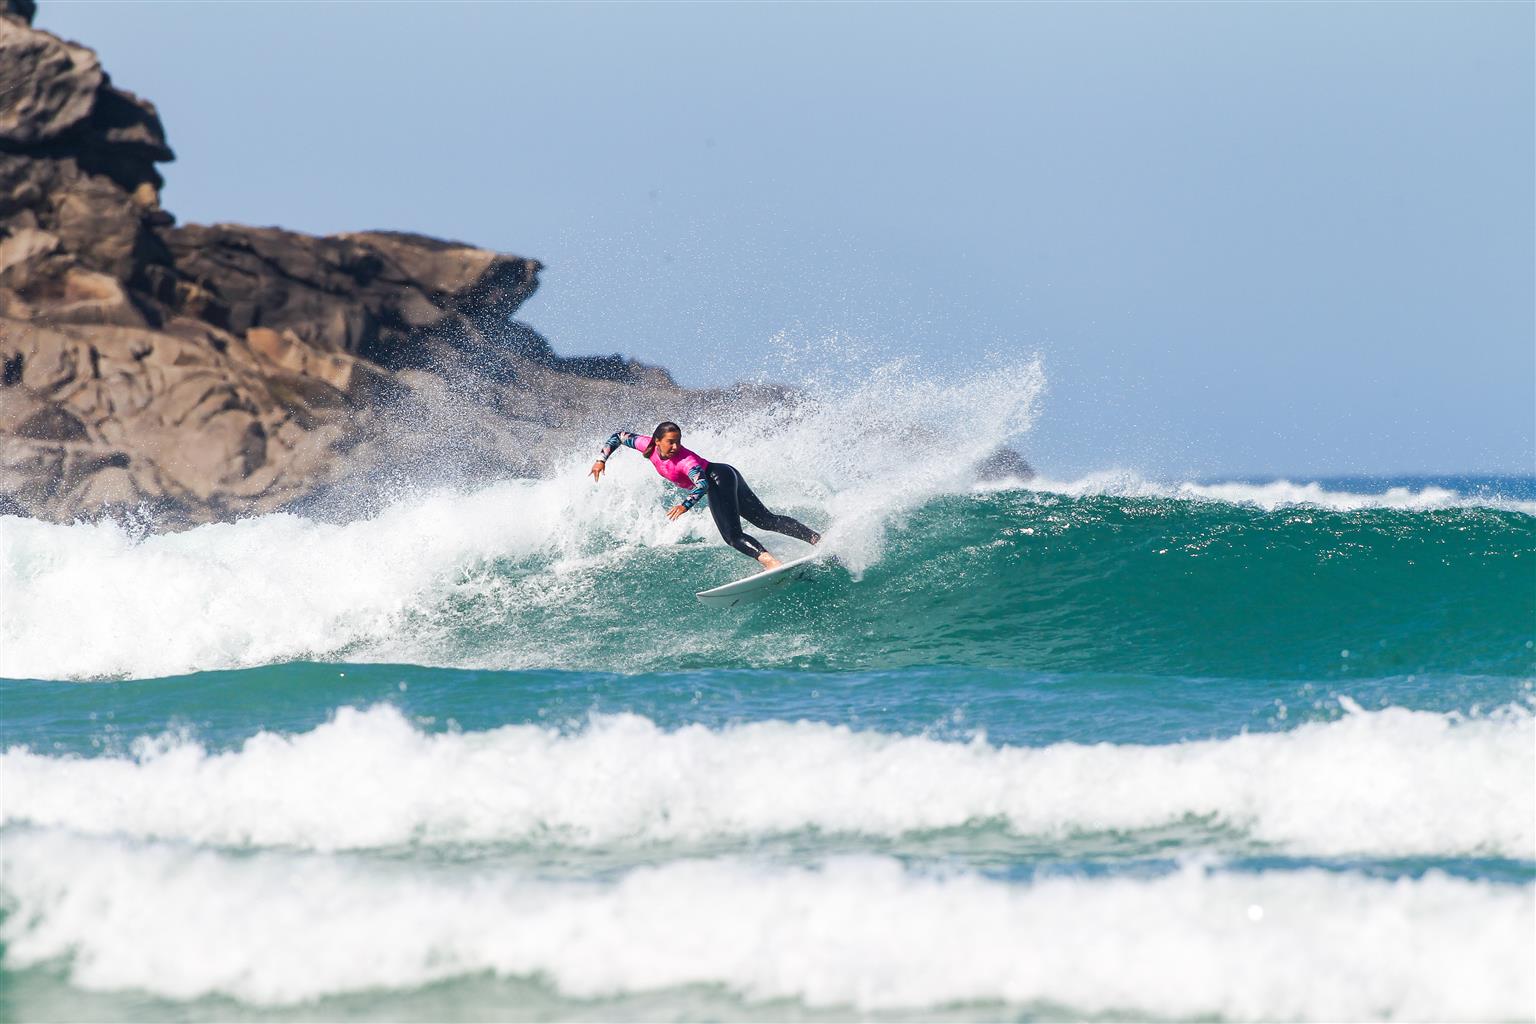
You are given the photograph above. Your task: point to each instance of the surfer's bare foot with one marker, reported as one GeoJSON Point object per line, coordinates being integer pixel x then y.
{"type": "Point", "coordinates": [769, 562]}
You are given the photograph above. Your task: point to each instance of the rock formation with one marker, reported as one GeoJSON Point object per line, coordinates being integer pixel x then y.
{"type": "Point", "coordinates": [196, 373]}
{"type": "Point", "coordinates": [180, 375]}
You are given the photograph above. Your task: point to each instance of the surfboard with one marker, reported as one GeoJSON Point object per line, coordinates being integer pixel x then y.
{"type": "Point", "coordinates": [760, 585]}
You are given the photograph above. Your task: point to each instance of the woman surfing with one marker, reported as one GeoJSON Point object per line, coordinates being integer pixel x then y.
{"type": "Point", "coordinates": [729, 496]}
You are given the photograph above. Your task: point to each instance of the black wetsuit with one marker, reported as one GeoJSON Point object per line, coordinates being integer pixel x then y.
{"type": "Point", "coordinates": [731, 500]}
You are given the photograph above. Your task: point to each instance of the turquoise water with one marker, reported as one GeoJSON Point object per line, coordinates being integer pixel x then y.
{"type": "Point", "coordinates": [1103, 749]}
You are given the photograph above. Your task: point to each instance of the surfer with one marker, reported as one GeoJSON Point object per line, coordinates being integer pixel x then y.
{"type": "Point", "coordinates": [729, 496]}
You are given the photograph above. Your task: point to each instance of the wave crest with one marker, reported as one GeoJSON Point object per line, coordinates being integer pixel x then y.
{"type": "Point", "coordinates": [862, 932]}
{"type": "Point", "coordinates": [1385, 783]}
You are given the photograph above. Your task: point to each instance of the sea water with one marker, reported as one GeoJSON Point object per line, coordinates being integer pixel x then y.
{"type": "Point", "coordinates": [1100, 748]}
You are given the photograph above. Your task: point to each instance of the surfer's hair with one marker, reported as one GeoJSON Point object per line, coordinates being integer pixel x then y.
{"type": "Point", "coordinates": [663, 428]}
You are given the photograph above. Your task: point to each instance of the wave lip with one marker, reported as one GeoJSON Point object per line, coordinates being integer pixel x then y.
{"type": "Point", "coordinates": [277, 929]}
{"type": "Point", "coordinates": [1386, 783]}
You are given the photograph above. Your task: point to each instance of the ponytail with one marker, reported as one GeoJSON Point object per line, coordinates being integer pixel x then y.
{"type": "Point", "coordinates": [662, 428]}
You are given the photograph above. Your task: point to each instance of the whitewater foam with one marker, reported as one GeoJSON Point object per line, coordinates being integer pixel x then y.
{"type": "Point", "coordinates": [93, 600]}
{"type": "Point", "coordinates": [1387, 783]}
{"type": "Point", "coordinates": [86, 601]}
{"type": "Point", "coordinates": [276, 929]}
{"type": "Point", "coordinates": [1276, 494]}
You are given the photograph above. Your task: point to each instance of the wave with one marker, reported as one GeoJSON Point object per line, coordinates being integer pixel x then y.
{"type": "Point", "coordinates": [1384, 783]}
{"type": "Point", "coordinates": [550, 574]}
{"type": "Point", "coordinates": [862, 932]}
{"type": "Point", "coordinates": [105, 599]}
{"type": "Point", "coordinates": [1112, 573]}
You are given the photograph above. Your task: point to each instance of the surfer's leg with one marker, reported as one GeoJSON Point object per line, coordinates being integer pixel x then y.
{"type": "Point", "coordinates": [757, 514]}
{"type": "Point", "coordinates": [722, 490]}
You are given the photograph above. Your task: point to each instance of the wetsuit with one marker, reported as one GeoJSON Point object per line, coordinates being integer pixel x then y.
{"type": "Point", "coordinates": [728, 495]}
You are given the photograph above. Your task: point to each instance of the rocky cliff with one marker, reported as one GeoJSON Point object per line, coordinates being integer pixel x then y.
{"type": "Point", "coordinates": [197, 373]}
{"type": "Point", "coordinates": [180, 375]}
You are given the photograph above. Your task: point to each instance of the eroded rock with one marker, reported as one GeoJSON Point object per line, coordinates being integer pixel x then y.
{"type": "Point", "coordinates": [205, 372]}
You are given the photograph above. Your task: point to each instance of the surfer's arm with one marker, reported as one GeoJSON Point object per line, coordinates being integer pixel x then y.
{"type": "Point", "coordinates": [611, 445]}
{"type": "Point", "coordinates": [700, 485]}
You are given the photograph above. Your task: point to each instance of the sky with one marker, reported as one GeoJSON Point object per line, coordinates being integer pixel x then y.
{"type": "Point", "coordinates": [1246, 239]}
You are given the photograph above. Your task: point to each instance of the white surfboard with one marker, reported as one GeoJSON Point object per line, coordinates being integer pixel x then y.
{"type": "Point", "coordinates": [760, 585]}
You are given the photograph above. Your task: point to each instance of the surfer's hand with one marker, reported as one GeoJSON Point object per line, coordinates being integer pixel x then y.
{"type": "Point", "coordinates": [597, 469]}
{"type": "Point", "coordinates": [675, 511]}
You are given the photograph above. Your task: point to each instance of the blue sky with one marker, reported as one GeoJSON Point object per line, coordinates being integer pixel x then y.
{"type": "Point", "coordinates": [1294, 239]}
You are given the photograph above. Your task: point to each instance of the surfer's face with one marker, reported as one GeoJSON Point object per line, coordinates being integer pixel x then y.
{"type": "Point", "coordinates": [667, 445]}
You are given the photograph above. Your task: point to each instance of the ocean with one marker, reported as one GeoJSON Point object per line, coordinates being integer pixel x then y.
{"type": "Point", "coordinates": [1103, 748]}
